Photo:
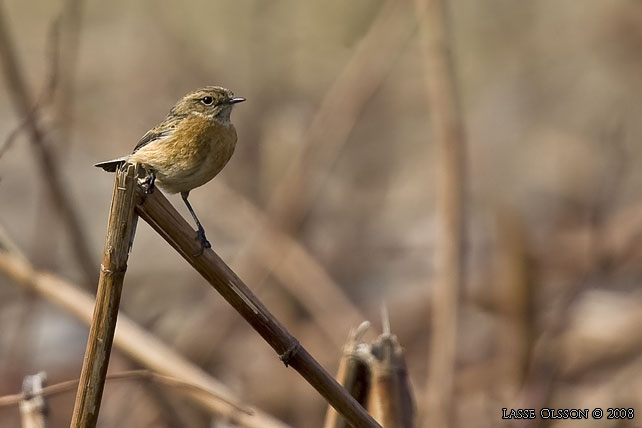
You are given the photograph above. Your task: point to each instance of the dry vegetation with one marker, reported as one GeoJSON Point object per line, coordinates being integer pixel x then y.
{"type": "Point", "coordinates": [328, 208]}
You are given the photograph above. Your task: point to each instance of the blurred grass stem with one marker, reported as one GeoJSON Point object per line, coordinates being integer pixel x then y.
{"type": "Point", "coordinates": [448, 137]}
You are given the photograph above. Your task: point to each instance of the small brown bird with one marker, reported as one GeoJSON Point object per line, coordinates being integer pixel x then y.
{"type": "Point", "coordinates": [190, 147]}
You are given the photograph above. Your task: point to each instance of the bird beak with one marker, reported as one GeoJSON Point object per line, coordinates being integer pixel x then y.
{"type": "Point", "coordinates": [236, 100]}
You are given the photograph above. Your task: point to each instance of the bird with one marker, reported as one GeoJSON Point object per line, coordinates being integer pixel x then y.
{"type": "Point", "coordinates": [189, 148]}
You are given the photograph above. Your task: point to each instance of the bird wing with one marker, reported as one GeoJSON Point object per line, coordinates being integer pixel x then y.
{"type": "Point", "coordinates": [162, 130]}
{"type": "Point", "coordinates": [151, 135]}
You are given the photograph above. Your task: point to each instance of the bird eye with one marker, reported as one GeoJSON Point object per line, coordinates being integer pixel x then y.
{"type": "Point", "coordinates": [207, 100]}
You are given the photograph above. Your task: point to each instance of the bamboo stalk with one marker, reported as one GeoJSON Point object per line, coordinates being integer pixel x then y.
{"type": "Point", "coordinates": [120, 232]}
{"type": "Point", "coordinates": [156, 210]}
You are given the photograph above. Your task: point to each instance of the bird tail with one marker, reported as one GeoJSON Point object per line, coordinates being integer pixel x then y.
{"type": "Point", "coordinates": [112, 165]}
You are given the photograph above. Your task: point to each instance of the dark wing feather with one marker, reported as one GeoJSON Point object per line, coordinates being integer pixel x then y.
{"type": "Point", "coordinates": [162, 130]}
{"type": "Point", "coordinates": [151, 135]}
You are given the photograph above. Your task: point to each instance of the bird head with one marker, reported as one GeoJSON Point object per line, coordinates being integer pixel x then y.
{"type": "Point", "coordinates": [213, 102]}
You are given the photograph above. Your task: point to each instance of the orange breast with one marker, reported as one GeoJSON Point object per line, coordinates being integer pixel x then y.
{"type": "Point", "coordinates": [192, 155]}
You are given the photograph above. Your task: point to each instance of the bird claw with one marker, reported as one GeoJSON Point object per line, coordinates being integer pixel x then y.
{"type": "Point", "coordinates": [150, 183]}
{"type": "Point", "coordinates": [200, 235]}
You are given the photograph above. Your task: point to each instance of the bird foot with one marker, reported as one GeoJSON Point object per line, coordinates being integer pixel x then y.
{"type": "Point", "coordinates": [150, 183]}
{"type": "Point", "coordinates": [200, 235]}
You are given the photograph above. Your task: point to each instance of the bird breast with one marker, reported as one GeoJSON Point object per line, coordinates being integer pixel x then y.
{"type": "Point", "coordinates": [192, 155]}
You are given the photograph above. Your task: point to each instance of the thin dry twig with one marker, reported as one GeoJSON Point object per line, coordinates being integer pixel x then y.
{"type": "Point", "coordinates": [547, 364]}
{"type": "Point", "coordinates": [148, 375]}
{"type": "Point", "coordinates": [166, 221]}
{"type": "Point", "coordinates": [13, 136]}
{"type": "Point", "coordinates": [47, 93]}
{"type": "Point", "coordinates": [48, 166]}
{"type": "Point", "coordinates": [18, 347]}
{"type": "Point", "coordinates": [448, 137]}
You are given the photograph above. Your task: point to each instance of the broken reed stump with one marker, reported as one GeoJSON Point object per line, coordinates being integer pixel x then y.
{"type": "Point", "coordinates": [33, 407]}
{"type": "Point", "coordinates": [120, 231]}
{"type": "Point", "coordinates": [390, 399]}
{"type": "Point", "coordinates": [131, 198]}
{"type": "Point", "coordinates": [353, 373]}
{"type": "Point", "coordinates": [375, 374]}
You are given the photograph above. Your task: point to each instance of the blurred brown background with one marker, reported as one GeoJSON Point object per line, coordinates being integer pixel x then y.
{"type": "Point", "coordinates": [550, 91]}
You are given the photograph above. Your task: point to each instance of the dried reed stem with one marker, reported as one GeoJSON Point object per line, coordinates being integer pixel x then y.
{"type": "Point", "coordinates": [120, 232]}
{"type": "Point", "coordinates": [147, 375]}
{"type": "Point", "coordinates": [156, 210]}
{"type": "Point", "coordinates": [448, 137]}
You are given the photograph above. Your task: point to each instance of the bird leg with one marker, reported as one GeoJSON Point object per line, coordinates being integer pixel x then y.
{"type": "Point", "coordinates": [200, 235]}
